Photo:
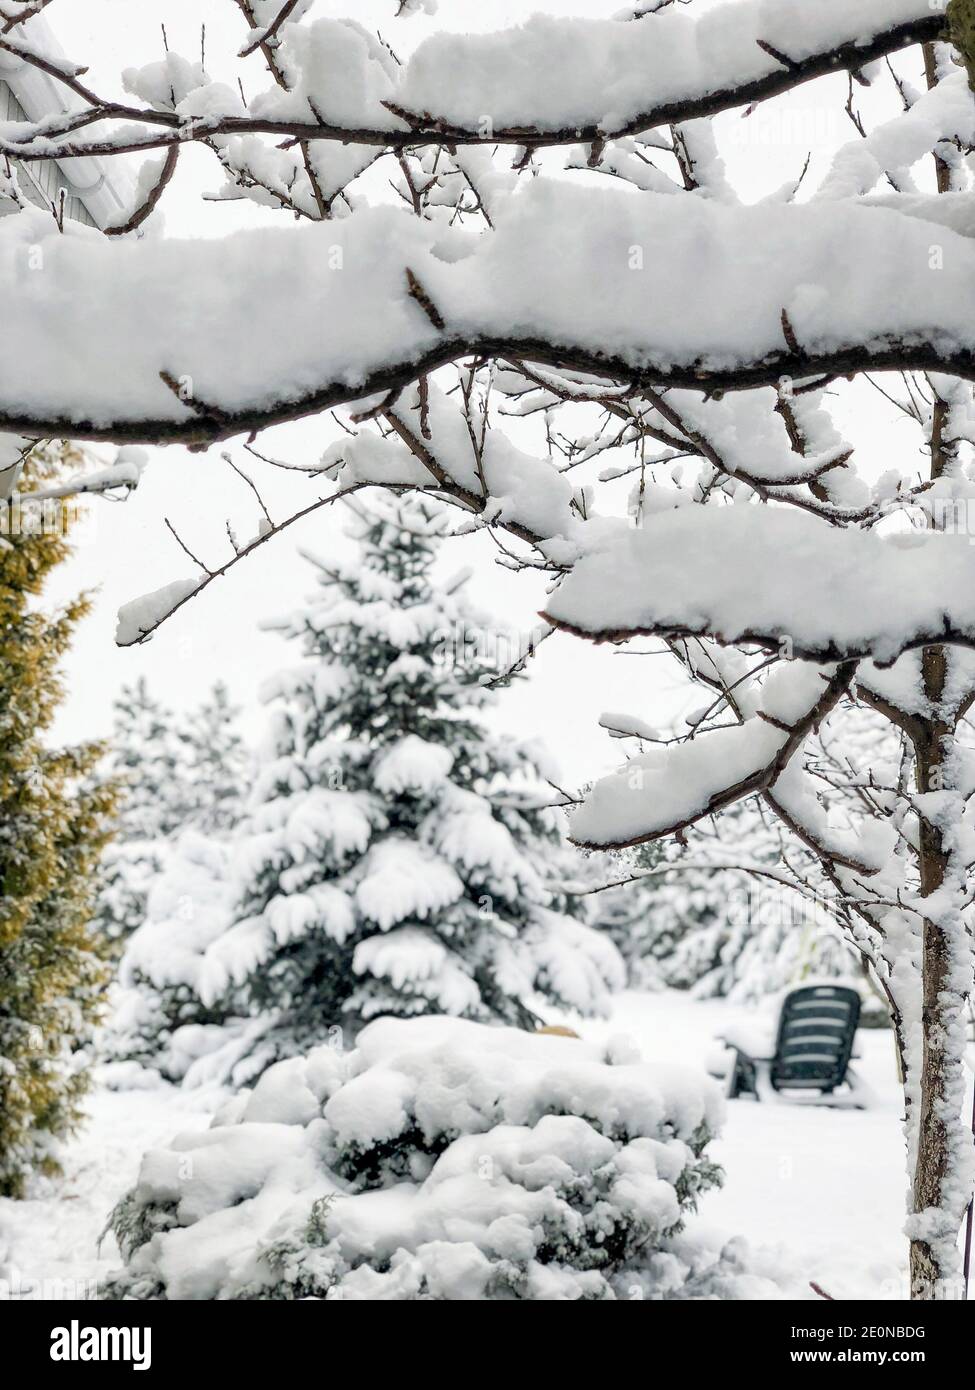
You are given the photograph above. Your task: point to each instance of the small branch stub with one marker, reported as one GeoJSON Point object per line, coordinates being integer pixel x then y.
{"type": "Point", "coordinates": [418, 293]}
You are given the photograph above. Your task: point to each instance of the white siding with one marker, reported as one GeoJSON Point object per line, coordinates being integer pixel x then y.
{"type": "Point", "coordinates": [41, 181]}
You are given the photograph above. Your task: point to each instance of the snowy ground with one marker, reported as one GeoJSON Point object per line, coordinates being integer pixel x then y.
{"type": "Point", "coordinates": [821, 1191]}
{"type": "Point", "coordinates": [823, 1187]}
{"type": "Point", "coordinates": [49, 1243]}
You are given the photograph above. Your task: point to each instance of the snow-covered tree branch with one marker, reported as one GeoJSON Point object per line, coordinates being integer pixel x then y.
{"type": "Point", "coordinates": [147, 380]}
{"type": "Point", "coordinates": [333, 82]}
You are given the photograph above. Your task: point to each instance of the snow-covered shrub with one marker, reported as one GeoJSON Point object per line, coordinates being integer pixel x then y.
{"type": "Point", "coordinates": [439, 1159]}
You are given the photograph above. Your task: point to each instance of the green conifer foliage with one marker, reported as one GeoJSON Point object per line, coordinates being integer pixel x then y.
{"type": "Point", "coordinates": [52, 830]}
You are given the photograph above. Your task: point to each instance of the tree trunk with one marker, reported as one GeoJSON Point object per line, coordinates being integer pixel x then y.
{"type": "Point", "coordinates": [942, 1139]}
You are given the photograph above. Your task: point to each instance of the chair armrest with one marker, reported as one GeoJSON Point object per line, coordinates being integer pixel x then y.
{"type": "Point", "coordinates": [753, 1040]}
{"type": "Point", "coordinates": [742, 1051]}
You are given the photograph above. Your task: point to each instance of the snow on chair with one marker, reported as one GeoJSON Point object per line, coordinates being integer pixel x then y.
{"type": "Point", "coordinates": [813, 1048]}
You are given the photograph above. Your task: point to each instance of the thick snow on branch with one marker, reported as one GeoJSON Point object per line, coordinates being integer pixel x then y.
{"type": "Point", "coordinates": [122, 476]}
{"type": "Point", "coordinates": [946, 112]}
{"type": "Point", "coordinates": [196, 340]}
{"type": "Point", "coordinates": [665, 790]}
{"type": "Point", "coordinates": [176, 330]}
{"type": "Point", "coordinates": [745, 436]}
{"type": "Point", "coordinates": [551, 80]}
{"type": "Point", "coordinates": [555, 73]}
{"type": "Point", "coordinates": [778, 578]}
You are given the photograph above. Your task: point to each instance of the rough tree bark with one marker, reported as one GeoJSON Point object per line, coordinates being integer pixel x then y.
{"type": "Point", "coordinates": [942, 1136]}
{"type": "Point", "coordinates": [941, 1080]}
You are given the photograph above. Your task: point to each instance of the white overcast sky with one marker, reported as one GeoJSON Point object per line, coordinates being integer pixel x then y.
{"type": "Point", "coordinates": [126, 549]}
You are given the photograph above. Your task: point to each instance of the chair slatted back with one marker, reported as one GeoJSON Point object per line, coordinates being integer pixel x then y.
{"type": "Point", "coordinates": [815, 1039]}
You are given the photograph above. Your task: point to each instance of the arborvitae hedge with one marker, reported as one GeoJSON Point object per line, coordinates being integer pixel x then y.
{"type": "Point", "coordinates": [52, 830]}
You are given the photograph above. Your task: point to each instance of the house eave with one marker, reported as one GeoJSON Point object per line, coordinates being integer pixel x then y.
{"type": "Point", "coordinates": [102, 189]}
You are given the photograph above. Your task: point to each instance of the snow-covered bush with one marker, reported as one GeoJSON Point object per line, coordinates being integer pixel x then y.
{"type": "Point", "coordinates": [439, 1159]}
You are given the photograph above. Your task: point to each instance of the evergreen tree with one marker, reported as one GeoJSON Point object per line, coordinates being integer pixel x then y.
{"type": "Point", "coordinates": [53, 821]}
{"type": "Point", "coordinates": [395, 861]}
{"type": "Point", "coordinates": [216, 759]}
{"type": "Point", "coordinates": [174, 875]}
{"type": "Point", "coordinates": [148, 759]}
{"type": "Point", "coordinates": [176, 773]}
{"type": "Point", "coordinates": [630, 915]}
{"type": "Point", "coordinates": [155, 995]}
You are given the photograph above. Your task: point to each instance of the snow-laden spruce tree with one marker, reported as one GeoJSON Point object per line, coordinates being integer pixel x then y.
{"type": "Point", "coordinates": [148, 757]}
{"type": "Point", "coordinates": [157, 1019]}
{"type": "Point", "coordinates": [147, 760]}
{"type": "Point", "coordinates": [176, 772]}
{"type": "Point", "coordinates": [398, 857]}
{"type": "Point", "coordinates": [440, 1159]}
{"type": "Point", "coordinates": [166, 872]}
{"type": "Point", "coordinates": [668, 331]}
{"type": "Point", "coordinates": [216, 760]}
